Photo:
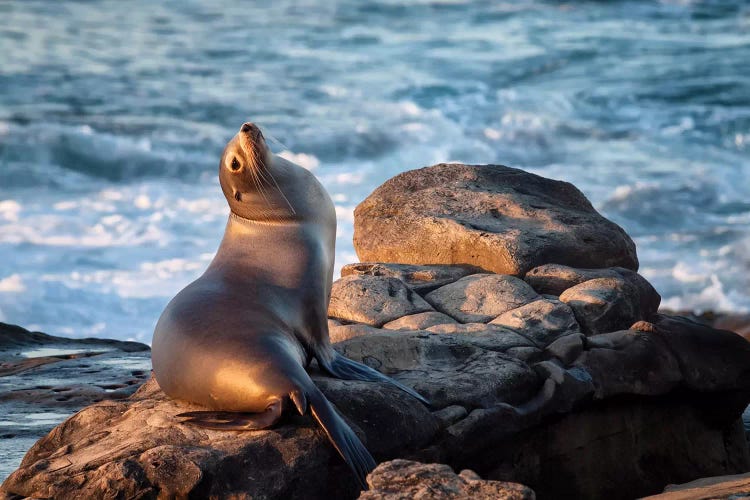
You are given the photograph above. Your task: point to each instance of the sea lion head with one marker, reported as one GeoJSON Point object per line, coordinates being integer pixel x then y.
{"type": "Point", "coordinates": [246, 178]}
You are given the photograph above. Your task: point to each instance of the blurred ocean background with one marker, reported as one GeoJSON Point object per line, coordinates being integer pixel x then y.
{"type": "Point", "coordinates": [113, 116]}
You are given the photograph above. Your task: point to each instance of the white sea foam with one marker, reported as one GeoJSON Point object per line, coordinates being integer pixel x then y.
{"type": "Point", "coordinates": [12, 284]}
{"type": "Point", "coordinates": [304, 160]}
{"type": "Point", "coordinates": [9, 210]}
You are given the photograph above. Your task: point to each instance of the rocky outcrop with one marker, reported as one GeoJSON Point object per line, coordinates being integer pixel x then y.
{"type": "Point", "coordinates": [404, 480]}
{"type": "Point", "coordinates": [565, 378]}
{"type": "Point", "coordinates": [500, 219]}
{"type": "Point", "coordinates": [558, 419]}
{"type": "Point", "coordinates": [44, 379]}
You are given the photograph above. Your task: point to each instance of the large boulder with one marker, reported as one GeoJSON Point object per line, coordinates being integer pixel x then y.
{"type": "Point", "coordinates": [497, 218]}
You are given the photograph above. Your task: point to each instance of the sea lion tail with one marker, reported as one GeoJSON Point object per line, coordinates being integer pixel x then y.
{"type": "Point", "coordinates": [340, 434]}
{"type": "Point", "coordinates": [344, 368]}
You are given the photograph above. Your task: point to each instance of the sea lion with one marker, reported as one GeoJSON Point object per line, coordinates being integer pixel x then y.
{"type": "Point", "coordinates": [239, 337]}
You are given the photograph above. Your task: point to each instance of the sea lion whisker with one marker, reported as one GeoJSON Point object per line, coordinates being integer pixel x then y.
{"type": "Point", "coordinates": [282, 193]}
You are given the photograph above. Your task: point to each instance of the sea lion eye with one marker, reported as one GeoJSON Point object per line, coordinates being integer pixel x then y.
{"type": "Point", "coordinates": [235, 165]}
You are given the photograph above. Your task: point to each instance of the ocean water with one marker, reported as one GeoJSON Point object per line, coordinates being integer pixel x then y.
{"type": "Point", "coordinates": [113, 116]}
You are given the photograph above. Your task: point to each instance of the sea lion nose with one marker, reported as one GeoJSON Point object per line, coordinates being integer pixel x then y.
{"type": "Point", "coordinates": [247, 127]}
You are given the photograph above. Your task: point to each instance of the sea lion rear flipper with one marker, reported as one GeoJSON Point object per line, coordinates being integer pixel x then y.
{"type": "Point", "coordinates": [341, 436]}
{"type": "Point", "coordinates": [344, 368]}
{"type": "Point", "coordinates": [232, 421]}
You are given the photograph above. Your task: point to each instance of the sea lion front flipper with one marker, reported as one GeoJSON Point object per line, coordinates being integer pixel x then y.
{"type": "Point", "coordinates": [341, 436]}
{"type": "Point", "coordinates": [344, 368]}
{"type": "Point", "coordinates": [232, 421]}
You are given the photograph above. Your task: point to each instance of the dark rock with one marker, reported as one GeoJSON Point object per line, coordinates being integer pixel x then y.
{"type": "Point", "coordinates": [44, 379]}
{"type": "Point", "coordinates": [374, 300]}
{"type": "Point", "coordinates": [480, 298]}
{"type": "Point", "coordinates": [630, 362]}
{"type": "Point", "coordinates": [421, 279]}
{"type": "Point", "coordinates": [497, 218]}
{"type": "Point", "coordinates": [446, 369]}
{"type": "Point", "coordinates": [403, 479]}
{"type": "Point", "coordinates": [567, 349]}
{"type": "Point", "coordinates": [710, 359]}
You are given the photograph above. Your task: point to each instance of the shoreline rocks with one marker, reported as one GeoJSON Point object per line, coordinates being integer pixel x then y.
{"type": "Point", "coordinates": [44, 379]}
{"type": "Point", "coordinates": [558, 372]}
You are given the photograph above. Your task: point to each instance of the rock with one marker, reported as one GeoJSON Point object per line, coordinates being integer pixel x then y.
{"type": "Point", "coordinates": [138, 449]}
{"type": "Point", "coordinates": [732, 487]}
{"type": "Point", "coordinates": [373, 300]}
{"type": "Point", "coordinates": [480, 298]}
{"type": "Point", "coordinates": [554, 279]}
{"type": "Point", "coordinates": [567, 349]}
{"type": "Point", "coordinates": [403, 480]}
{"type": "Point", "coordinates": [421, 279]}
{"type": "Point", "coordinates": [419, 321]}
{"type": "Point", "coordinates": [449, 415]}
{"type": "Point", "coordinates": [44, 379]}
{"type": "Point", "coordinates": [446, 369]}
{"type": "Point", "coordinates": [542, 321]}
{"type": "Point", "coordinates": [341, 333]}
{"type": "Point", "coordinates": [630, 362]}
{"type": "Point", "coordinates": [606, 304]}
{"type": "Point", "coordinates": [711, 360]}
{"type": "Point", "coordinates": [584, 419]}
{"type": "Point", "coordinates": [624, 449]}
{"type": "Point", "coordinates": [737, 323]}
{"type": "Point", "coordinates": [489, 337]}
{"type": "Point", "coordinates": [500, 219]}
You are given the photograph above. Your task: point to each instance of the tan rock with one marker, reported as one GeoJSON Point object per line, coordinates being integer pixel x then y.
{"type": "Point", "coordinates": [419, 321]}
{"type": "Point", "coordinates": [421, 279]}
{"type": "Point", "coordinates": [373, 300]}
{"type": "Point", "coordinates": [480, 298]}
{"type": "Point", "coordinates": [605, 305]}
{"type": "Point", "coordinates": [497, 218]}
{"type": "Point", "coordinates": [406, 480]}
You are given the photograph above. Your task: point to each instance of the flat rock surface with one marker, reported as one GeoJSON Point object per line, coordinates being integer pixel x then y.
{"type": "Point", "coordinates": [494, 217]}
{"type": "Point", "coordinates": [480, 298]}
{"type": "Point", "coordinates": [405, 480]}
{"type": "Point", "coordinates": [373, 300]}
{"type": "Point", "coordinates": [44, 379]}
{"type": "Point", "coordinates": [734, 487]}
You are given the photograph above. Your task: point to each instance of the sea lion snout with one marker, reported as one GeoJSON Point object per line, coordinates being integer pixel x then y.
{"type": "Point", "coordinates": [248, 127]}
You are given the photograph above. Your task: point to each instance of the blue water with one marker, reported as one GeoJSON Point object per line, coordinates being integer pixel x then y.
{"type": "Point", "coordinates": [113, 115]}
